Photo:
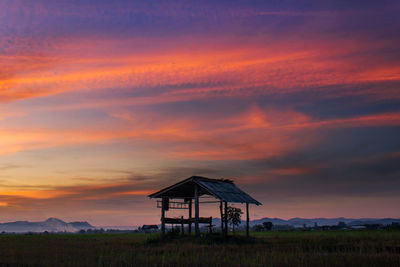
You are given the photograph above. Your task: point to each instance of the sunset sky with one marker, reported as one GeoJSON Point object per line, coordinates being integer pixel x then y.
{"type": "Point", "coordinates": [104, 102]}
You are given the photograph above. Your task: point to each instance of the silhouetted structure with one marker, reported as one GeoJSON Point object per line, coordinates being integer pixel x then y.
{"type": "Point", "coordinates": [147, 227]}
{"type": "Point", "coordinates": [191, 189]}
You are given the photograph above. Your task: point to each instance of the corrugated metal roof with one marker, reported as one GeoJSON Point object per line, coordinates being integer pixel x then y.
{"type": "Point", "coordinates": [222, 189]}
{"type": "Point", "coordinates": [227, 191]}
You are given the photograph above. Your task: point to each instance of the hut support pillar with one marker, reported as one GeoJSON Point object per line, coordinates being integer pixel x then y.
{"type": "Point", "coordinates": [222, 216]}
{"type": "Point", "coordinates": [226, 218]}
{"type": "Point", "coordinates": [163, 217]}
{"type": "Point", "coordinates": [247, 219]}
{"type": "Point", "coordinates": [190, 216]}
{"type": "Point", "coordinates": [182, 228]}
{"type": "Point", "coordinates": [196, 209]}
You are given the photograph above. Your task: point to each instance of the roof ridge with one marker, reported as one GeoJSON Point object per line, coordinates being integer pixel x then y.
{"type": "Point", "coordinates": [223, 189]}
{"type": "Point", "coordinates": [224, 180]}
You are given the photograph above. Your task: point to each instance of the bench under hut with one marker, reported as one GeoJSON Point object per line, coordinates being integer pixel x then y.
{"type": "Point", "coordinates": [189, 191]}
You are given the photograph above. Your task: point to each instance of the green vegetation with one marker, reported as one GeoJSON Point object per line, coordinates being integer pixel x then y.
{"type": "Point", "coordinates": [295, 248]}
{"type": "Point", "coordinates": [233, 216]}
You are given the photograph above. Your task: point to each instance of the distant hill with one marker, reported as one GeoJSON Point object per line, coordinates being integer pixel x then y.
{"type": "Point", "coordinates": [118, 227]}
{"type": "Point", "coordinates": [299, 222]}
{"type": "Point", "coordinates": [50, 225]}
{"type": "Point", "coordinates": [57, 225]}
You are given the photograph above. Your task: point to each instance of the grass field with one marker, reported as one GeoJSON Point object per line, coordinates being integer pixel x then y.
{"type": "Point", "coordinates": [318, 248]}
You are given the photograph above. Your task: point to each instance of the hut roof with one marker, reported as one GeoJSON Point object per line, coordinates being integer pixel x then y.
{"type": "Point", "coordinates": [221, 189]}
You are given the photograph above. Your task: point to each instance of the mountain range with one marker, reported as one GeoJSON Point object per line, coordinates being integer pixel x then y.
{"type": "Point", "coordinates": [299, 222]}
{"type": "Point", "coordinates": [49, 225]}
{"type": "Point", "coordinates": [57, 225]}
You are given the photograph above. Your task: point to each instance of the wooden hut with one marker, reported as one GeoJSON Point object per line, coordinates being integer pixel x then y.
{"type": "Point", "coordinates": [189, 190]}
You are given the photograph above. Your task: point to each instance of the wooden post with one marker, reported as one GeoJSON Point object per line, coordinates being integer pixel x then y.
{"type": "Point", "coordinates": [196, 209]}
{"type": "Point", "coordinates": [182, 228]}
{"type": "Point", "coordinates": [222, 217]}
{"type": "Point", "coordinates": [226, 218]}
{"type": "Point", "coordinates": [247, 219]}
{"type": "Point", "coordinates": [210, 225]}
{"type": "Point", "coordinates": [190, 216]}
{"type": "Point", "coordinates": [163, 217]}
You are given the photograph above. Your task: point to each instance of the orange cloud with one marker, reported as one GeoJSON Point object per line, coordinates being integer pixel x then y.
{"type": "Point", "coordinates": [5, 114]}
{"type": "Point", "coordinates": [12, 141]}
{"type": "Point", "coordinates": [92, 191]}
{"type": "Point", "coordinates": [275, 69]}
{"type": "Point", "coordinates": [36, 194]}
{"type": "Point", "coordinates": [375, 120]}
{"type": "Point", "coordinates": [136, 193]}
{"type": "Point", "coordinates": [292, 171]}
{"type": "Point", "coordinates": [254, 133]}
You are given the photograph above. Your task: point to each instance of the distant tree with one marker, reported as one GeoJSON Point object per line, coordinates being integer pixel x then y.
{"type": "Point", "coordinates": [234, 216]}
{"type": "Point", "coordinates": [394, 226]}
{"type": "Point", "coordinates": [342, 225]}
{"type": "Point", "coordinates": [258, 228]}
{"type": "Point", "coordinates": [268, 226]}
{"type": "Point", "coordinates": [373, 226]}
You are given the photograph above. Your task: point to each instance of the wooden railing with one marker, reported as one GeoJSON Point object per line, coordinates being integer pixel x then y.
{"type": "Point", "coordinates": [207, 220]}
{"type": "Point", "coordinates": [174, 205]}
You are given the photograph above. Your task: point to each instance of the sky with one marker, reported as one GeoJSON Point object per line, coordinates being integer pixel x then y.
{"type": "Point", "coordinates": [104, 102]}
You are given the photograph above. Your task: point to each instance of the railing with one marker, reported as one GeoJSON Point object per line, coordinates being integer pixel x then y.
{"type": "Point", "coordinates": [207, 220]}
{"type": "Point", "coordinates": [174, 205]}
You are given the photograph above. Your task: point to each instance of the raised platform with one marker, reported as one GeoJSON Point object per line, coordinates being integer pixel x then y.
{"type": "Point", "coordinates": [207, 220]}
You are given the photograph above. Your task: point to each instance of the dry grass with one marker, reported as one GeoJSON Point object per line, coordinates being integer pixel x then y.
{"type": "Point", "coordinates": [334, 248]}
